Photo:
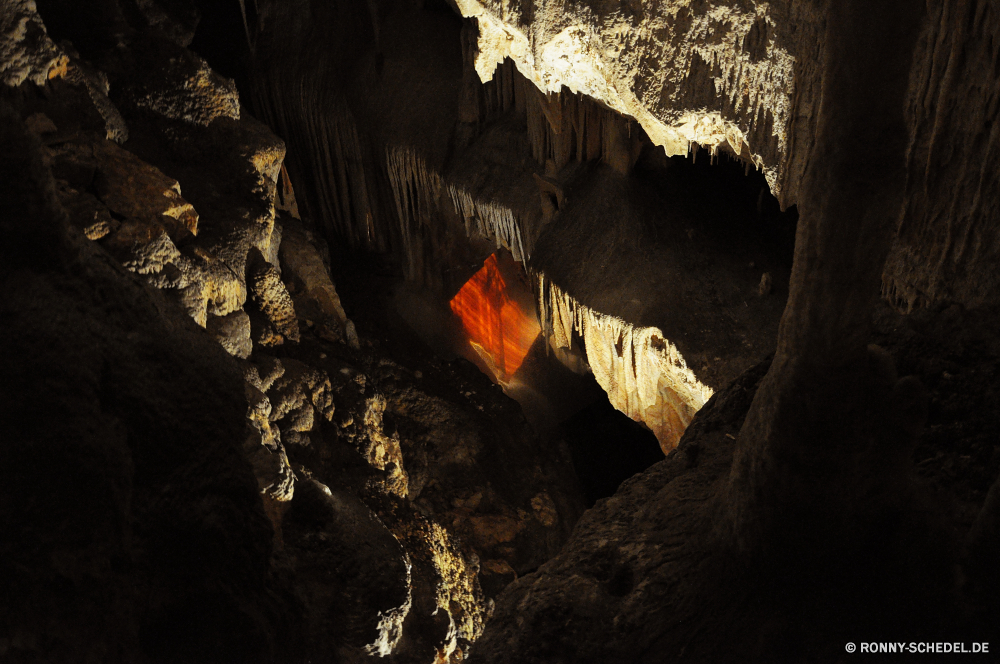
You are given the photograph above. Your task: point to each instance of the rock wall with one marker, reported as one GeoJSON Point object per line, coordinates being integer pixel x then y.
{"type": "Point", "coordinates": [947, 248]}
{"type": "Point", "coordinates": [134, 526]}
{"type": "Point", "coordinates": [722, 76]}
{"type": "Point", "coordinates": [643, 373]}
{"type": "Point", "coordinates": [142, 163]}
{"type": "Point", "coordinates": [744, 78]}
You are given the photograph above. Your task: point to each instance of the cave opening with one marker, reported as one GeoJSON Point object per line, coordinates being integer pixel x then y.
{"type": "Point", "coordinates": [607, 446]}
{"type": "Point", "coordinates": [367, 417]}
{"type": "Point", "coordinates": [694, 247]}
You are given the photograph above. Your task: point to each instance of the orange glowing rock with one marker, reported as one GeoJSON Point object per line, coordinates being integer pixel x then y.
{"type": "Point", "coordinates": [498, 327]}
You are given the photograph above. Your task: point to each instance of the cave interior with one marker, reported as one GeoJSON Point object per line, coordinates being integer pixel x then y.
{"type": "Point", "coordinates": [432, 331]}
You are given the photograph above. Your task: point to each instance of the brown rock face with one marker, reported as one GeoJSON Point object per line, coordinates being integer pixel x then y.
{"type": "Point", "coordinates": [121, 545]}
{"type": "Point", "coordinates": [728, 75]}
{"type": "Point", "coordinates": [26, 52]}
{"type": "Point", "coordinates": [141, 193]}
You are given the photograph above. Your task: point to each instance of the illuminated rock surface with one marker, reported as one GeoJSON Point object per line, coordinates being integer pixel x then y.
{"type": "Point", "coordinates": [494, 323]}
{"type": "Point", "coordinates": [743, 77]}
{"type": "Point", "coordinates": [652, 62]}
{"type": "Point", "coordinates": [644, 375]}
{"type": "Point", "coordinates": [237, 471]}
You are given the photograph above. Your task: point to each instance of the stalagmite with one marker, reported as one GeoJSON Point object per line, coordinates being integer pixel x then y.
{"type": "Point", "coordinates": [643, 373]}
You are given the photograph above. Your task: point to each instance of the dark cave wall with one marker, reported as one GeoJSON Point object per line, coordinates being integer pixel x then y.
{"type": "Point", "coordinates": [319, 77]}
{"type": "Point", "coordinates": [948, 245]}
{"type": "Point", "coordinates": [135, 532]}
{"type": "Point", "coordinates": [140, 471]}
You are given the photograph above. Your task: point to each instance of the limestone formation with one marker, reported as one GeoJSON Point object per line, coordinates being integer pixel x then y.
{"type": "Point", "coordinates": [98, 87]}
{"type": "Point", "coordinates": [232, 331]}
{"type": "Point", "coordinates": [594, 602]}
{"type": "Point", "coordinates": [26, 52]}
{"type": "Point", "coordinates": [364, 592]}
{"type": "Point", "coordinates": [743, 78]}
{"type": "Point", "coordinates": [177, 20]}
{"type": "Point", "coordinates": [185, 89]}
{"type": "Point", "coordinates": [643, 373]}
{"type": "Point", "coordinates": [136, 479]}
{"type": "Point", "coordinates": [311, 288]}
{"type": "Point", "coordinates": [137, 191]}
{"type": "Point", "coordinates": [733, 54]}
{"type": "Point", "coordinates": [87, 213]}
{"type": "Point", "coordinates": [271, 296]}
{"type": "Point", "coordinates": [947, 243]}
{"type": "Point", "coordinates": [240, 472]}
{"type": "Point", "coordinates": [296, 393]}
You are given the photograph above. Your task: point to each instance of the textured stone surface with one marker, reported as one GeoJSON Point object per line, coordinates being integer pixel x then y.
{"type": "Point", "coordinates": [300, 395]}
{"type": "Point", "coordinates": [309, 280]}
{"type": "Point", "coordinates": [613, 591]}
{"type": "Point", "coordinates": [134, 530]}
{"type": "Point", "coordinates": [363, 593]}
{"type": "Point", "coordinates": [744, 77]}
{"type": "Point", "coordinates": [948, 245]}
{"type": "Point", "coordinates": [140, 192]}
{"type": "Point", "coordinates": [177, 19]}
{"type": "Point", "coordinates": [643, 374]}
{"type": "Point", "coordinates": [271, 296]}
{"type": "Point", "coordinates": [97, 86]}
{"type": "Point", "coordinates": [523, 176]}
{"type": "Point", "coordinates": [318, 402]}
{"type": "Point", "coordinates": [177, 84]}
{"type": "Point", "coordinates": [722, 74]}
{"type": "Point", "coordinates": [232, 331]}
{"type": "Point", "coordinates": [26, 52]}
{"type": "Point", "coordinates": [423, 159]}
{"type": "Point", "coordinates": [87, 213]}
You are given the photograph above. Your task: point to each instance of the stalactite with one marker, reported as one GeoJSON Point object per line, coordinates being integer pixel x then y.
{"type": "Point", "coordinates": [642, 372]}
{"type": "Point", "coordinates": [562, 125]}
{"type": "Point", "coordinates": [326, 154]}
{"type": "Point", "coordinates": [736, 51]}
{"type": "Point", "coordinates": [417, 191]}
{"type": "Point", "coordinates": [418, 194]}
{"type": "Point", "coordinates": [490, 220]}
